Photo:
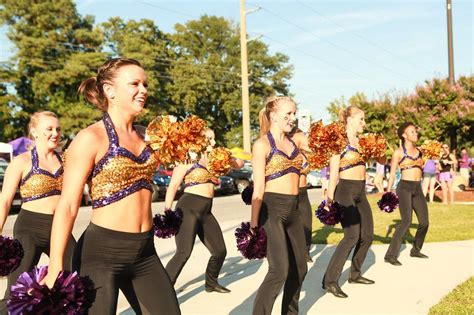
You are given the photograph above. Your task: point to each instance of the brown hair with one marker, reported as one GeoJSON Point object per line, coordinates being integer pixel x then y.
{"type": "Point", "coordinates": [93, 88]}
{"type": "Point", "coordinates": [401, 130]}
{"type": "Point", "coordinates": [271, 103]}
{"type": "Point", "coordinates": [348, 112]}
{"type": "Point", "coordinates": [35, 118]}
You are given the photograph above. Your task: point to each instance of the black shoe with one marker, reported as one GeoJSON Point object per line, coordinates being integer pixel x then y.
{"type": "Point", "coordinates": [361, 280]}
{"type": "Point", "coordinates": [393, 261]}
{"type": "Point", "coordinates": [308, 258]}
{"type": "Point", "coordinates": [217, 288]}
{"type": "Point", "coordinates": [335, 290]}
{"type": "Point", "coordinates": [418, 255]}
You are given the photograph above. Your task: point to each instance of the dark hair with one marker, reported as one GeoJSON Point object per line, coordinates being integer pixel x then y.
{"type": "Point", "coordinates": [93, 88]}
{"type": "Point", "coordinates": [402, 128]}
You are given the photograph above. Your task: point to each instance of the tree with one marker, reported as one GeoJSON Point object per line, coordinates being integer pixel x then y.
{"type": "Point", "coordinates": [55, 49]}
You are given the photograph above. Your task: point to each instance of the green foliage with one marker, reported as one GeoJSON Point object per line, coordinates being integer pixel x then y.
{"type": "Point", "coordinates": [459, 302]}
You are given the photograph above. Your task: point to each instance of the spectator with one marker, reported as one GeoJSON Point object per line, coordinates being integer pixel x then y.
{"type": "Point", "coordinates": [447, 166]}
{"type": "Point", "coordinates": [429, 178]}
{"type": "Point", "coordinates": [324, 181]}
{"type": "Point", "coordinates": [379, 177]}
{"type": "Point", "coordinates": [464, 167]}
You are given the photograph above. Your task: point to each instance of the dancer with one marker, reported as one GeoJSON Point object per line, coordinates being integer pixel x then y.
{"type": "Point", "coordinates": [195, 206]}
{"type": "Point", "coordinates": [116, 250]}
{"type": "Point", "coordinates": [39, 173]}
{"type": "Point", "coordinates": [447, 167]}
{"type": "Point", "coordinates": [347, 187]}
{"type": "Point", "coordinates": [409, 158]}
{"type": "Point", "coordinates": [277, 162]}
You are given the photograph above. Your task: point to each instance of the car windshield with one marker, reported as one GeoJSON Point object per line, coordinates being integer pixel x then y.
{"type": "Point", "coordinates": [247, 167]}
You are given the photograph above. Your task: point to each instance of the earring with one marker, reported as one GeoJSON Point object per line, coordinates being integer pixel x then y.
{"type": "Point", "coordinates": [112, 96]}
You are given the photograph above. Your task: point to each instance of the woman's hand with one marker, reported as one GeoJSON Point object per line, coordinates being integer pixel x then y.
{"type": "Point", "coordinates": [51, 277]}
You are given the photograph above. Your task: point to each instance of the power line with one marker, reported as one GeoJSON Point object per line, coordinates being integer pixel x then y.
{"type": "Point", "coordinates": [167, 9]}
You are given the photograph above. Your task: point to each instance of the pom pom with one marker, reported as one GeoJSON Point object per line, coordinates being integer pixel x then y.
{"type": "Point", "coordinates": [27, 296]}
{"type": "Point", "coordinates": [431, 149]}
{"type": "Point", "coordinates": [330, 139]}
{"type": "Point", "coordinates": [72, 294]}
{"type": "Point", "coordinates": [247, 195]}
{"type": "Point", "coordinates": [220, 161]}
{"type": "Point", "coordinates": [11, 253]}
{"type": "Point", "coordinates": [388, 202]}
{"type": "Point", "coordinates": [329, 215]}
{"type": "Point", "coordinates": [372, 146]}
{"type": "Point", "coordinates": [318, 159]}
{"type": "Point", "coordinates": [193, 130]}
{"type": "Point", "coordinates": [251, 245]}
{"type": "Point", "coordinates": [167, 225]}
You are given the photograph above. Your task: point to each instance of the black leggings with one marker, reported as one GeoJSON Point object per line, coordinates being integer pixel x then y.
{"type": "Point", "coordinates": [304, 207]}
{"type": "Point", "coordinates": [197, 220]}
{"type": "Point", "coordinates": [116, 260]}
{"type": "Point", "coordinates": [33, 230]}
{"type": "Point", "coordinates": [411, 197]}
{"type": "Point", "coordinates": [286, 254]}
{"type": "Point", "coordinates": [358, 226]}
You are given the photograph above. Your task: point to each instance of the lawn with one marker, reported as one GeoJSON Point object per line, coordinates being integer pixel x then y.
{"type": "Point", "coordinates": [447, 223]}
{"type": "Point", "coordinates": [460, 301]}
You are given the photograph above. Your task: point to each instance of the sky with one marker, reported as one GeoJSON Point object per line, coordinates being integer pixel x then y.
{"type": "Point", "coordinates": [337, 48]}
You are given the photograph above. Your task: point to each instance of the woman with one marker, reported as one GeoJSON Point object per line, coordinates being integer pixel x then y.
{"type": "Point", "coordinates": [347, 187]}
{"type": "Point", "coordinates": [324, 181]}
{"type": "Point", "coordinates": [379, 177]}
{"type": "Point", "coordinates": [277, 162]}
{"type": "Point", "coordinates": [464, 167]}
{"type": "Point", "coordinates": [39, 173]}
{"type": "Point", "coordinates": [116, 249]}
{"type": "Point", "coordinates": [447, 167]}
{"type": "Point", "coordinates": [429, 178]}
{"type": "Point", "coordinates": [409, 192]}
{"type": "Point", "coordinates": [195, 206]}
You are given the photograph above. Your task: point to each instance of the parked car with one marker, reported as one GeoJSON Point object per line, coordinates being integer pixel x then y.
{"type": "Point", "coordinates": [16, 204]}
{"type": "Point", "coordinates": [314, 179]}
{"type": "Point", "coordinates": [225, 186]}
{"type": "Point", "coordinates": [160, 184]}
{"type": "Point", "coordinates": [242, 178]}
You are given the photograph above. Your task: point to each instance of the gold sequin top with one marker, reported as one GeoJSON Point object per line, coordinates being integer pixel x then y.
{"type": "Point", "coordinates": [278, 163]}
{"type": "Point", "coordinates": [408, 161]}
{"type": "Point", "coordinates": [198, 174]}
{"type": "Point", "coordinates": [40, 183]}
{"type": "Point", "coordinates": [305, 167]}
{"type": "Point", "coordinates": [120, 173]}
{"type": "Point", "coordinates": [350, 157]}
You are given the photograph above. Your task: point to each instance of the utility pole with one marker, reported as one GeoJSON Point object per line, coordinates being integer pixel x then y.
{"type": "Point", "coordinates": [245, 78]}
{"type": "Point", "coordinates": [450, 41]}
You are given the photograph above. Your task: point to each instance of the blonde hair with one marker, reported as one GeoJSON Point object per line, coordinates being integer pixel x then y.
{"type": "Point", "coordinates": [271, 103]}
{"type": "Point", "coordinates": [348, 112]}
{"type": "Point", "coordinates": [35, 118]}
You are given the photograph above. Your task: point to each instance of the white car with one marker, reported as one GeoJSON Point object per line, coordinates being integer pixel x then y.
{"type": "Point", "coordinates": [314, 179]}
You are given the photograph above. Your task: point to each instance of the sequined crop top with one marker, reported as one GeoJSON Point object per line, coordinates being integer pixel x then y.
{"type": "Point", "coordinates": [120, 173]}
{"type": "Point", "coordinates": [350, 158]}
{"type": "Point", "coordinates": [40, 183]}
{"type": "Point", "coordinates": [278, 163]}
{"type": "Point", "coordinates": [198, 174]}
{"type": "Point", "coordinates": [408, 162]}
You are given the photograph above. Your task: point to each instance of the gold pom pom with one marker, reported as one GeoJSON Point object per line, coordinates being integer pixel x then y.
{"type": "Point", "coordinates": [331, 138]}
{"type": "Point", "coordinates": [431, 149]}
{"type": "Point", "coordinates": [220, 161]}
{"type": "Point", "coordinates": [318, 159]}
{"type": "Point", "coordinates": [372, 146]}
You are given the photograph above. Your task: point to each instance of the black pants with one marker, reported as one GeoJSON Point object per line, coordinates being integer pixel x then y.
{"type": "Point", "coordinates": [358, 226]}
{"type": "Point", "coordinates": [286, 254]}
{"type": "Point", "coordinates": [116, 260]}
{"type": "Point", "coordinates": [411, 197]}
{"type": "Point", "coordinates": [33, 230]}
{"type": "Point", "coordinates": [304, 207]}
{"type": "Point", "coordinates": [197, 220]}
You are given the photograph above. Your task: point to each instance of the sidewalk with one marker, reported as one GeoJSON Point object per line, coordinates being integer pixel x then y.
{"type": "Point", "coordinates": [410, 289]}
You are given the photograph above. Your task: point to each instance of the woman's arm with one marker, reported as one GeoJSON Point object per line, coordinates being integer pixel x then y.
{"type": "Point", "coordinates": [333, 176]}
{"type": "Point", "coordinates": [301, 141]}
{"type": "Point", "coordinates": [259, 154]}
{"type": "Point", "coordinates": [11, 180]}
{"type": "Point", "coordinates": [176, 179]}
{"type": "Point", "coordinates": [396, 157]}
{"type": "Point", "coordinates": [80, 159]}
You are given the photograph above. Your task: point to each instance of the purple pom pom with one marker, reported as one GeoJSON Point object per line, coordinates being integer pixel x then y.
{"type": "Point", "coordinates": [27, 296]}
{"type": "Point", "coordinates": [167, 225]}
{"type": "Point", "coordinates": [251, 245]}
{"type": "Point", "coordinates": [72, 294]}
{"type": "Point", "coordinates": [11, 253]}
{"type": "Point", "coordinates": [388, 202]}
{"type": "Point", "coordinates": [329, 217]}
{"type": "Point", "coordinates": [247, 195]}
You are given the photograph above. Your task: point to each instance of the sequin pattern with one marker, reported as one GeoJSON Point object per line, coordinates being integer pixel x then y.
{"type": "Point", "coordinates": [39, 183]}
{"type": "Point", "coordinates": [198, 174]}
{"type": "Point", "coordinates": [279, 164]}
{"type": "Point", "coordinates": [408, 162]}
{"type": "Point", "coordinates": [120, 173]}
{"type": "Point", "coordinates": [350, 158]}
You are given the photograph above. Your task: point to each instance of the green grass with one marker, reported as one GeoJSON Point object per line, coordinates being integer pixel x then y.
{"type": "Point", "coordinates": [459, 301]}
{"type": "Point", "coordinates": [447, 223]}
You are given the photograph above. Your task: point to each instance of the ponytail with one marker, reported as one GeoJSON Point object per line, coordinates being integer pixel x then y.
{"type": "Point", "coordinates": [264, 121]}
{"type": "Point", "coordinates": [91, 93]}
